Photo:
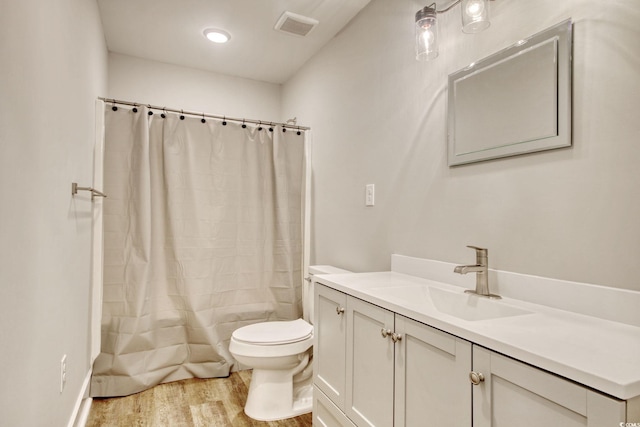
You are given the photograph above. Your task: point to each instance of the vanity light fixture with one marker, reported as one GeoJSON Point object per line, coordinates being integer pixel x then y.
{"type": "Point", "coordinates": [216, 35]}
{"type": "Point", "coordinates": [475, 18]}
{"type": "Point", "coordinates": [426, 33]}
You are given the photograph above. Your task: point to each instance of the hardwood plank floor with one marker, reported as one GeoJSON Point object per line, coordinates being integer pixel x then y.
{"type": "Point", "coordinates": [195, 402]}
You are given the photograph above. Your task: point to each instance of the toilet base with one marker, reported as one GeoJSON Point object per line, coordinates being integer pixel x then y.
{"type": "Point", "coordinates": [277, 395]}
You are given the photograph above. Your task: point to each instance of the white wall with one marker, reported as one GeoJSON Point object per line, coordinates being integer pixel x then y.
{"type": "Point", "coordinates": [53, 67]}
{"type": "Point", "coordinates": [379, 117]}
{"type": "Point", "coordinates": [157, 83]}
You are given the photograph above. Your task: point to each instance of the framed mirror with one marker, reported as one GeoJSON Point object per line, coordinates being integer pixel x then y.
{"type": "Point", "coordinates": [513, 102]}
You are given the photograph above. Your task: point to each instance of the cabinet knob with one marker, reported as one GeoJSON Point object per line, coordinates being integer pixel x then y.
{"type": "Point", "coordinates": [339, 310]}
{"type": "Point", "coordinates": [385, 332]}
{"type": "Point", "coordinates": [476, 377]}
{"type": "Point", "coordinates": [396, 337]}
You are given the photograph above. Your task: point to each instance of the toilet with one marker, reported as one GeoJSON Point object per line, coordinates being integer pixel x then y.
{"type": "Point", "coordinates": [280, 354]}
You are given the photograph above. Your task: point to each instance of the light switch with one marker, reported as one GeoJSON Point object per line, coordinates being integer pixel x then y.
{"type": "Point", "coordinates": [370, 192]}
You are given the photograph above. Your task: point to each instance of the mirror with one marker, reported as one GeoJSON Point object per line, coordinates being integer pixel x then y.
{"type": "Point", "coordinates": [513, 102]}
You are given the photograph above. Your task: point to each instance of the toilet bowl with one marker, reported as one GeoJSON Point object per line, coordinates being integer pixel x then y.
{"type": "Point", "coordinates": [279, 352]}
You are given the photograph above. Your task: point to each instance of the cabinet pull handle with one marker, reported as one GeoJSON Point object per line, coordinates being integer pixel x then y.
{"type": "Point", "coordinates": [339, 310]}
{"type": "Point", "coordinates": [396, 337]}
{"type": "Point", "coordinates": [476, 377]}
{"type": "Point", "coordinates": [385, 332]}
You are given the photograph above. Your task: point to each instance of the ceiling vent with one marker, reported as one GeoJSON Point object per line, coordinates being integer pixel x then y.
{"type": "Point", "coordinates": [298, 25]}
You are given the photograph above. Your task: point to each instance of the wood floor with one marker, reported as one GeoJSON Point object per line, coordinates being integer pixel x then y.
{"type": "Point", "coordinates": [195, 402]}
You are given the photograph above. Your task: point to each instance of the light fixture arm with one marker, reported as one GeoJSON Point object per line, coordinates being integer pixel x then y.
{"type": "Point", "coordinates": [448, 8]}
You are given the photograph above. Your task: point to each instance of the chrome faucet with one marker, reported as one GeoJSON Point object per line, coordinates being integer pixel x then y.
{"type": "Point", "coordinates": [482, 273]}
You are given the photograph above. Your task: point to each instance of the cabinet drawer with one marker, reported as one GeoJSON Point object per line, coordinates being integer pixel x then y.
{"type": "Point", "coordinates": [326, 414]}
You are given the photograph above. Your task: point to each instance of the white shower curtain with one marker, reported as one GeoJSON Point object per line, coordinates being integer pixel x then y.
{"type": "Point", "coordinates": [202, 235]}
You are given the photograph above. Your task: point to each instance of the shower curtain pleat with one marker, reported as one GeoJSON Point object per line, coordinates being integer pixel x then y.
{"type": "Point", "coordinates": [202, 235]}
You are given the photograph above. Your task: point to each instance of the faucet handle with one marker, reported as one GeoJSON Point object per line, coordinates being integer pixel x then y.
{"type": "Point", "coordinates": [481, 254]}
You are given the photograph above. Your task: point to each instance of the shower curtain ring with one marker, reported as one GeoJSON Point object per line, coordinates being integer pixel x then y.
{"type": "Point", "coordinates": [203, 120]}
{"type": "Point", "coordinates": [260, 125]}
{"type": "Point", "coordinates": [244, 126]}
{"type": "Point", "coordinates": [299, 131]}
{"type": "Point", "coordinates": [135, 108]}
{"type": "Point", "coordinates": [224, 120]}
{"type": "Point", "coordinates": [271, 127]}
{"type": "Point", "coordinates": [150, 111]}
{"type": "Point", "coordinates": [164, 113]}
{"type": "Point", "coordinates": [181, 114]}
{"type": "Point", "coordinates": [113, 105]}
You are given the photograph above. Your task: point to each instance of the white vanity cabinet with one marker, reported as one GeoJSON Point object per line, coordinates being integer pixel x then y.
{"type": "Point", "coordinates": [375, 367]}
{"type": "Point", "coordinates": [513, 393]}
{"type": "Point", "coordinates": [394, 372]}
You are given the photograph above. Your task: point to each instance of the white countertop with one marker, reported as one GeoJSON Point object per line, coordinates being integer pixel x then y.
{"type": "Point", "coordinates": [598, 353]}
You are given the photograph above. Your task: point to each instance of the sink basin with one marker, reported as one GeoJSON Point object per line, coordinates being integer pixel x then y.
{"type": "Point", "coordinates": [471, 307]}
{"type": "Point", "coordinates": [457, 304]}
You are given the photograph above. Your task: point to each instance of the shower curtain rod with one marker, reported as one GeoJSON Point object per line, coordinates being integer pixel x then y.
{"type": "Point", "coordinates": [197, 114]}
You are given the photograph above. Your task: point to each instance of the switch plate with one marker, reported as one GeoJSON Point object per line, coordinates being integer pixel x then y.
{"type": "Point", "coordinates": [63, 372]}
{"type": "Point", "coordinates": [370, 192]}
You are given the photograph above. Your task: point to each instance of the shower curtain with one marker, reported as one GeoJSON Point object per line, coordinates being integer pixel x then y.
{"type": "Point", "coordinates": [203, 234]}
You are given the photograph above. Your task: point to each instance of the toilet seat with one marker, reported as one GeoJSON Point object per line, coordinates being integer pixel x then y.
{"type": "Point", "coordinates": [272, 339]}
{"type": "Point", "coordinates": [274, 333]}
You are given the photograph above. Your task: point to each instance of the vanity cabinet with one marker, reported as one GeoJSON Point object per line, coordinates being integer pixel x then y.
{"type": "Point", "coordinates": [394, 372]}
{"type": "Point", "coordinates": [374, 367]}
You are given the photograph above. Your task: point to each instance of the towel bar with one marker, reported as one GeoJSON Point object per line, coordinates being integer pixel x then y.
{"type": "Point", "coordinates": [94, 192]}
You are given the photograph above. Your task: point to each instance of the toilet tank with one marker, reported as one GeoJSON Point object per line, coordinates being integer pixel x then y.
{"type": "Point", "coordinates": [307, 290]}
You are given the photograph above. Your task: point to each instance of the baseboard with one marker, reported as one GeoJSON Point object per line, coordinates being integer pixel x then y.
{"type": "Point", "coordinates": [80, 413]}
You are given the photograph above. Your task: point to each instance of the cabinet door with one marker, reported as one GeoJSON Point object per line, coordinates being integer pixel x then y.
{"type": "Point", "coordinates": [516, 394]}
{"type": "Point", "coordinates": [329, 349]}
{"type": "Point", "coordinates": [369, 364]}
{"type": "Point", "coordinates": [432, 371]}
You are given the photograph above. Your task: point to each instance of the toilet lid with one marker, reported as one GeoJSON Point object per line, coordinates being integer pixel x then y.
{"type": "Point", "coordinates": [273, 333]}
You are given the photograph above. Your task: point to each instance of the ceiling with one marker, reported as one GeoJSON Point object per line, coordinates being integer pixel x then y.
{"type": "Point", "coordinates": [171, 31]}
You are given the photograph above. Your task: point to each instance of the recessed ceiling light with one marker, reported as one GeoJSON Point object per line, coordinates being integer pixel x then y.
{"type": "Point", "coordinates": [217, 36]}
